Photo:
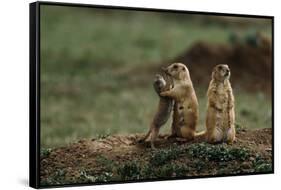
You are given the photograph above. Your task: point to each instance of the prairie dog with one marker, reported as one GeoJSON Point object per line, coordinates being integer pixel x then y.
{"type": "Point", "coordinates": [164, 109]}
{"type": "Point", "coordinates": [186, 114]}
{"type": "Point", "coordinates": [220, 109]}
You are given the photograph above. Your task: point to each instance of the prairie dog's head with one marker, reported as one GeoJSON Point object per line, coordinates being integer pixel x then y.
{"type": "Point", "coordinates": [177, 71]}
{"type": "Point", "coordinates": [221, 72]}
{"type": "Point", "coordinates": [159, 81]}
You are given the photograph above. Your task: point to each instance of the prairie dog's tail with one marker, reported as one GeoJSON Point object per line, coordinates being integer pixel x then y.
{"type": "Point", "coordinates": [190, 135]}
{"type": "Point", "coordinates": [201, 134]}
{"type": "Point", "coordinates": [197, 134]}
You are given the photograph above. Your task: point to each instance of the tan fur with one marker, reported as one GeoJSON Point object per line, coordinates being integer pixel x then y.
{"type": "Point", "coordinates": [186, 114]}
{"type": "Point", "coordinates": [220, 115]}
{"type": "Point", "coordinates": [165, 105]}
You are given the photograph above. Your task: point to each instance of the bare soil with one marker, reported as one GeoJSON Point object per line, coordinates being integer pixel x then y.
{"type": "Point", "coordinates": [85, 155]}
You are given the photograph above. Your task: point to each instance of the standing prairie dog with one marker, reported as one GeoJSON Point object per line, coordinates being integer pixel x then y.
{"type": "Point", "coordinates": [164, 109]}
{"type": "Point", "coordinates": [220, 109]}
{"type": "Point", "coordinates": [186, 114]}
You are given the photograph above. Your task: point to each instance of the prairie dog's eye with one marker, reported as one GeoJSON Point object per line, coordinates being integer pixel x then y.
{"type": "Point", "coordinates": [183, 68]}
{"type": "Point", "coordinates": [220, 67]}
{"type": "Point", "coordinates": [175, 66]}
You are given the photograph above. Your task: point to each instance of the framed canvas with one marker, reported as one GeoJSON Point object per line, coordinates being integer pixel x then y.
{"type": "Point", "coordinates": [120, 94]}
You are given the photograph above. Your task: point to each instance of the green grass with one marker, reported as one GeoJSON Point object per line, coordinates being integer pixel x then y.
{"type": "Point", "coordinates": [93, 64]}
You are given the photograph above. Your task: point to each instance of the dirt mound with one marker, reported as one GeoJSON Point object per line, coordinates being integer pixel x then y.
{"type": "Point", "coordinates": [250, 63]}
{"type": "Point", "coordinates": [118, 158]}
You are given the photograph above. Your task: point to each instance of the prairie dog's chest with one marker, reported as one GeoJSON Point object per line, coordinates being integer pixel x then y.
{"type": "Point", "coordinates": [222, 95]}
{"type": "Point", "coordinates": [182, 91]}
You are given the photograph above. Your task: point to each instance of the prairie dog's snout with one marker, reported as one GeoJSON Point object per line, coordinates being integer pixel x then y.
{"type": "Point", "coordinates": [227, 72]}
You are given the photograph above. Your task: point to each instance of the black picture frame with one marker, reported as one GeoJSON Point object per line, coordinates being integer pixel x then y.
{"type": "Point", "coordinates": [34, 92]}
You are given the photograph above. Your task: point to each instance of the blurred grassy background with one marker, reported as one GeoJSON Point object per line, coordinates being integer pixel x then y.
{"type": "Point", "coordinates": [90, 57]}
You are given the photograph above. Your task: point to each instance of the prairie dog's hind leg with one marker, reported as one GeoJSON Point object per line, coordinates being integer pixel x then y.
{"type": "Point", "coordinates": [230, 135]}
{"type": "Point", "coordinates": [215, 136]}
{"type": "Point", "coordinates": [187, 133]}
{"type": "Point", "coordinates": [154, 135]}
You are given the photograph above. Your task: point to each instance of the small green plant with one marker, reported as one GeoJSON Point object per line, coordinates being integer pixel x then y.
{"type": "Point", "coordinates": [106, 163]}
{"type": "Point", "coordinates": [264, 167]}
{"type": "Point", "coordinates": [217, 152]}
{"type": "Point", "coordinates": [261, 165]}
{"type": "Point", "coordinates": [129, 171]}
{"type": "Point", "coordinates": [148, 171]}
{"type": "Point", "coordinates": [87, 178]}
{"type": "Point", "coordinates": [57, 178]}
{"type": "Point", "coordinates": [199, 165]}
{"type": "Point", "coordinates": [132, 171]}
{"type": "Point", "coordinates": [171, 170]}
{"type": "Point", "coordinates": [103, 136]}
{"type": "Point", "coordinates": [239, 127]}
{"type": "Point", "coordinates": [162, 156]}
{"type": "Point", "coordinates": [44, 152]}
